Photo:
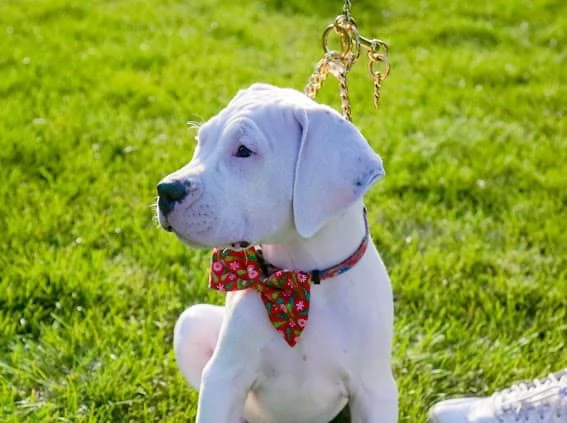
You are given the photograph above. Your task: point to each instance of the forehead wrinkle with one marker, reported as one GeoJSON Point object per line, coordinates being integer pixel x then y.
{"type": "Point", "coordinates": [256, 105]}
{"type": "Point", "coordinates": [207, 131]}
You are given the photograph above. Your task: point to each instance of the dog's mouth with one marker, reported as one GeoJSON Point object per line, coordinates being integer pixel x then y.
{"type": "Point", "coordinates": [162, 220]}
{"type": "Point", "coordinates": [239, 245]}
{"type": "Point", "coordinates": [166, 226]}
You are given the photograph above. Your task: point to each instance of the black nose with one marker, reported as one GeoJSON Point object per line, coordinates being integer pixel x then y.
{"type": "Point", "coordinates": [169, 193]}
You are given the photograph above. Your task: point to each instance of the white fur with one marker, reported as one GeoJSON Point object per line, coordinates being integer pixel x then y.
{"type": "Point", "coordinates": [299, 196]}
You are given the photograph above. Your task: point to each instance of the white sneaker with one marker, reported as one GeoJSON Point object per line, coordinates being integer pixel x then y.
{"type": "Point", "coordinates": [541, 401]}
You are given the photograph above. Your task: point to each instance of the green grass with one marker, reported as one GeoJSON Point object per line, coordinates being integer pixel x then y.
{"type": "Point", "coordinates": [471, 219]}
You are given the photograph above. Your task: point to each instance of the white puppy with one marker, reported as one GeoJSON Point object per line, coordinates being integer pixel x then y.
{"type": "Point", "coordinates": [276, 169]}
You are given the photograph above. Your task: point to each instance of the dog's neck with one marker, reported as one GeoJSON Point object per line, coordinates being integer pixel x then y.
{"type": "Point", "coordinates": [337, 240]}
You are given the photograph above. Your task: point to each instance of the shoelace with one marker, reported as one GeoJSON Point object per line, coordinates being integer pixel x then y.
{"type": "Point", "coordinates": [539, 398]}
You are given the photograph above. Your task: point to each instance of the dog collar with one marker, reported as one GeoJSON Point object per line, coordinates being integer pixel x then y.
{"type": "Point", "coordinates": [330, 272]}
{"type": "Point", "coordinates": [285, 293]}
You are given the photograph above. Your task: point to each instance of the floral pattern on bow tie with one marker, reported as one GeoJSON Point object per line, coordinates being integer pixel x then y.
{"type": "Point", "coordinates": [285, 293]}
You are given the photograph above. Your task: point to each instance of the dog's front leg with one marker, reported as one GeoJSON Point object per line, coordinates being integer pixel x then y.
{"type": "Point", "coordinates": [377, 404]}
{"type": "Point", "coordinates": [223, 393]}
{"type": "Point", "coordinates": [233, 367]}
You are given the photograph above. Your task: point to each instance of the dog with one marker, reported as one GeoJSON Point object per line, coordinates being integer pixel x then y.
{"type": "Point", "coordinates": [276, 169]}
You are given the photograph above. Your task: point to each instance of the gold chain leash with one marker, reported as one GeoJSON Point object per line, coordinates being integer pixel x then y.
{"type": "Point", "coordinates": [339, 63]}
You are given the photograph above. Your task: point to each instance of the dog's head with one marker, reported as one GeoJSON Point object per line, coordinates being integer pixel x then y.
{"type": "Point", "coordinates": [272, 164]}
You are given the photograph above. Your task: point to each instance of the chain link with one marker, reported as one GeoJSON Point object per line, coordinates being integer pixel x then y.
{"type": "Point", "coordinates": [318, 77]}
{"type": "Point", "coordinates": [339, 63]}
{"type": "Point", "coordinates": [347, 9]}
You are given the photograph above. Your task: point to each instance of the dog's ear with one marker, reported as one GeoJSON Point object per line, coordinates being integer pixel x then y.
{"type": "Point", "coordinates": [335, 167]}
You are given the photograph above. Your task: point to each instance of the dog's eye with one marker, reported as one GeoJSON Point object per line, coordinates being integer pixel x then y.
{"type": "Point", "coordinates": [243, 151]}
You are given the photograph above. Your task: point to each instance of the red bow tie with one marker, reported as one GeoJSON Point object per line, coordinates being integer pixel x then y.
{"type": "Point", "coordinates": [285, 293]}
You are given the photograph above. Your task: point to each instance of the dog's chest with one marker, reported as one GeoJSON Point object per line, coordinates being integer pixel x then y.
{"type": "Point", "coordinates": [346, 334]}
{"type": "Point", "coordinates": [306, 383]}
{"type": "Point", "coordinates": [312, 382]}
